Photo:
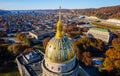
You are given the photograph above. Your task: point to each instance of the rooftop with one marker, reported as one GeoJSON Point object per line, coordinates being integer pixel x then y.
{"type": "Point", "coordinates": [31, 62]}
{"type": "Point", "coordinates": [100, 29]}
{"type": "Point", "coordinates": [32, 56]}
{"type": "Point", "coordinates": [36, 32]}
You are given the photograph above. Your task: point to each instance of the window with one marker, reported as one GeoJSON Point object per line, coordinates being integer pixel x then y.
{"type": "Point", "coordinates": [66, 68]}
{"type": "Point", "coordinates": [72, 66]}
{"type": "Point", "coordinates": [45, 74]}
{"type": "Point", "coordinates": [47, 64]}
{"type": "Point", "coordinates": [52, 67]}
{"type": "Point", "coordinates": [58, 69]}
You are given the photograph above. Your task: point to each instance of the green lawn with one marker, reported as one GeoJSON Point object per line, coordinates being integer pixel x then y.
{"type": "Point", "coordinates": [106, 25]}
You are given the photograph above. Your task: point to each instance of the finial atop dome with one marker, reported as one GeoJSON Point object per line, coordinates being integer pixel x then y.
{"type": "Point", "coordinates": [60, 13]}
{"type": "Point", "coordinates": [59, 33]}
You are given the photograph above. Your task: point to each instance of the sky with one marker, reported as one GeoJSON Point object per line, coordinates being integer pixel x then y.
{"type": "Point", "coordinates": [54, 4]}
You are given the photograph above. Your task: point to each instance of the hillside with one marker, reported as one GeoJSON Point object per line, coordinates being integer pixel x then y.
{"type": "Point", "coordinates": [103, 13]}
{"type": "Point", "coordinates": [3, 12]}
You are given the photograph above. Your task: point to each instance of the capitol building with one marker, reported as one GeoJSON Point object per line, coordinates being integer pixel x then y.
{"type": "Point", "coordinates": [59, 58]}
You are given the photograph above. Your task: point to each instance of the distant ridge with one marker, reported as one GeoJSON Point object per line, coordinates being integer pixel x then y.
{"type": "Point", "coordinates": [3, 12]}
{"type": "Point", "coordinates": [103, 12]}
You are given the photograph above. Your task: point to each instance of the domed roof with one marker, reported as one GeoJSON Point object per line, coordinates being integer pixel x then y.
{"type": "Point", "coordinates": [59, 50]}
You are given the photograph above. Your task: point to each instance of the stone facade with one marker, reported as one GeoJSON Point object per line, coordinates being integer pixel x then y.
{"type": "Point", "coordinates": [55, 69]}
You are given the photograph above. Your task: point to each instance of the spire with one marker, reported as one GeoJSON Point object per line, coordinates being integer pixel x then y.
{"type": "Point", "coordinates": [59, 33]}
{"type": "Point", "coordinates": [60, 13]}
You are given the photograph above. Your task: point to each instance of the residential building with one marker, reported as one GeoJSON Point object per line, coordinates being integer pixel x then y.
{"type": "Point", "coordinates": [38, 35]}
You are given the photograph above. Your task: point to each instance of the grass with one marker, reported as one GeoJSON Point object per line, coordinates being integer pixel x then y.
{"type": "Point", "coordinates": [106, 26]}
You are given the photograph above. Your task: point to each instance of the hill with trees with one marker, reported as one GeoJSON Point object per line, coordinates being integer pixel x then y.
{"type": "Point", "coordinates": [3, 12]}
{"type": "Point", "coordinates": [103, 12]}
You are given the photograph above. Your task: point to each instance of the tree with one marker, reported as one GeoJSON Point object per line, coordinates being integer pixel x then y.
{"type": "Point", "coordinates": [27, 40]}
{"type": "Point", "coordinates": [85, 29]}
{"type": "Point", "coordinates": [17, 49]}
{"type": "Point", "coordinates": [20, 36]}
{"type": "Point", "coordinates": [3, 34]}
{"type": "Point", "coordinates": [118, 35]}
{"type": "Point", "coordinates": [112, 61]}
{"type": "Point", "coordinates": [41, 48]}
{"type": "Point", "coordinates": [89, 44]}
{"type": "Point", "coordinates": [87, 54]}
{"type": "Point", "coordinates": [27, 50]}
{"type": "Point", "coordinates": [117, 64]}
{"type": "Point", "coordinates": [116, 43]}
{"type": "Point", "coordinates": [78, 53]}
{"type": "Point", "coordinates": [86, 58]}
{"type": "Point", "coordinates": [79, 29]}
{"type": "Point", "coordinates": [108, 64]}
{"type": "Point", "coordinates": [45, 41]}
{"type": "Point", "coordinates": [113, 54]}
{"type": "Point", "coordinates": [4, 53]}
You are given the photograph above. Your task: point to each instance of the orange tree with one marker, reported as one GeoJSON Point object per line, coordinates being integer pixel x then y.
{"type": "Point", "coordinates": [112, 61]}
{"type": "Point", "coordinates": [20, 36]}
{"type": "Point", "coordinates": [45, 41]}
{"type": "Point", "coordinates": [89, 44]}
{"type": "Point", "coordinates": [116, 43]}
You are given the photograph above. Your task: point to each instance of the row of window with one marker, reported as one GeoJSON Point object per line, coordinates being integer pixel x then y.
{"type": "Point", "coordinates": [60, 68]}
{"type": "Point", "coordinates": [73, 74]}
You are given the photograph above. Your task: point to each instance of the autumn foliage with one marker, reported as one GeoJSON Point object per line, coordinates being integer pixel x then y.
{"type": "Point", "coordinates": [89, 44]}
{"type": "Point", "coordinates": [112, 62]}
{"type": "Point", "coordinates": [17, 49]}
{"type": "Point", "coordinates": [103, 13]}
{"type": "Point", "coordinates": [88, 47]}
{"type": "Point", "coordinates": [45, 41]}
{"type": "Point", "coordinates": [86, 58]}
{"type": "Point", "coordinates": [116, 43]}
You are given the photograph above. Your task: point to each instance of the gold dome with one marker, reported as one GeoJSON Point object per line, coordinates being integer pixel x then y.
{"type": "Point", "coordinates": [59, 50]}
